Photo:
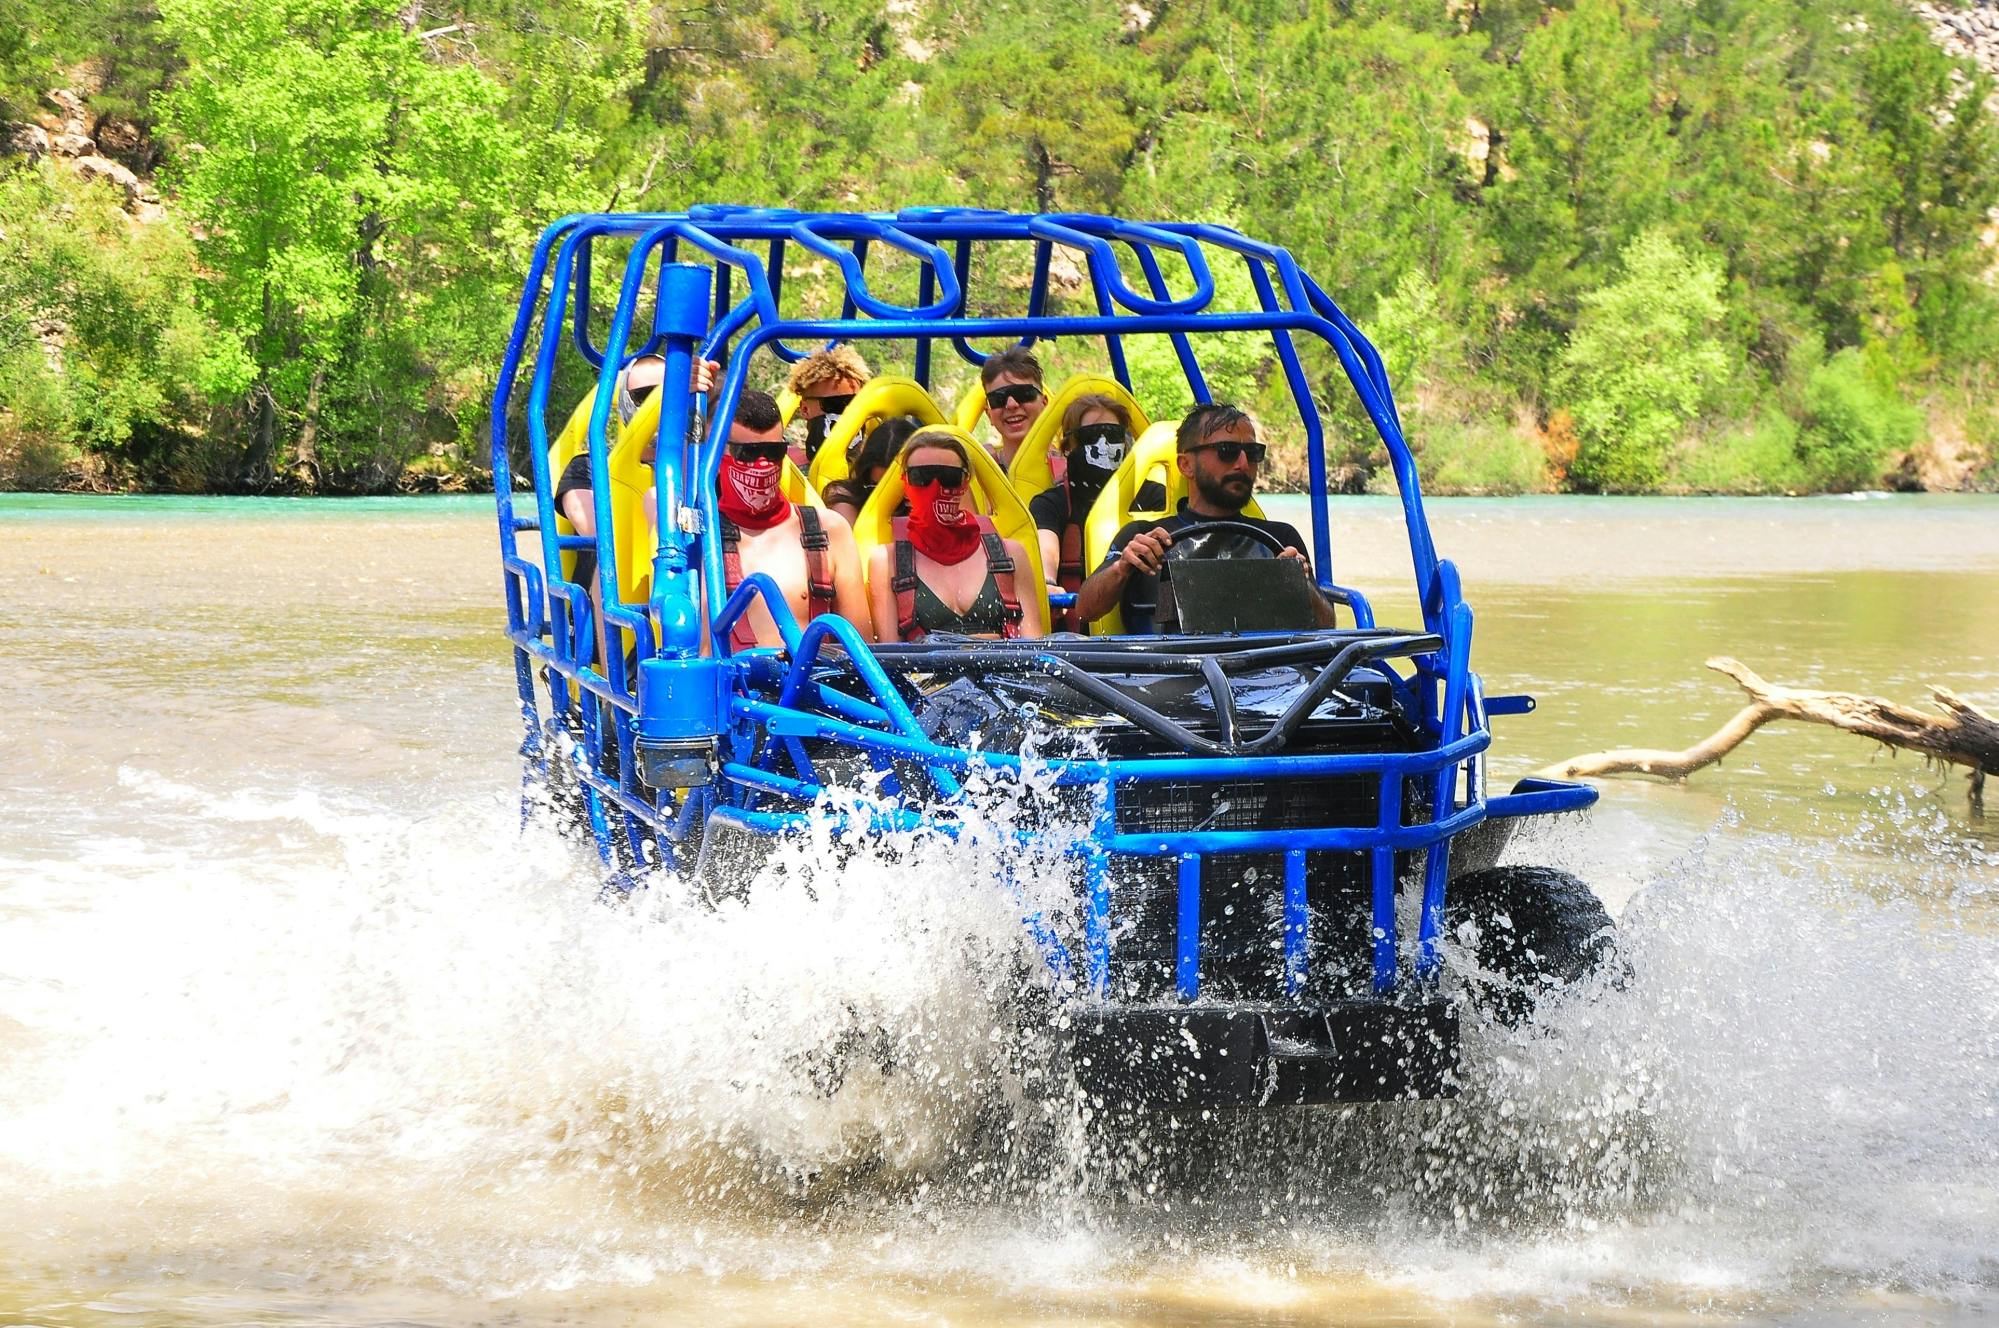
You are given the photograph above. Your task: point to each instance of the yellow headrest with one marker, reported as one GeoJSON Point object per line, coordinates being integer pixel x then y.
{"type": "Point", "coordinates": [971, 406]}
{"type": "Point", "coordinates": [787, 405]}
{"type": "Point", "coordinates": [1152, 457]}
{"type": "Point", "coordinates": [991, 494]}
{"type": "Point", "coordinates": [574, 438]}
{"type": "Point", "coordinates": [1030, 472]}
{"type": "Point", "coordinates": [878, 399]}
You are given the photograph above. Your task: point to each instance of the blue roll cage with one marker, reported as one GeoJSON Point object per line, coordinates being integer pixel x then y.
{"type": "Point", "coordinates": [760, 706]}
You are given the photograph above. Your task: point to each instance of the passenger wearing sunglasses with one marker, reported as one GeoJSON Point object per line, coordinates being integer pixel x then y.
{"type": "Point", "coordinates": [947, 569]}
{"type": "Point", "coordinates": [809, 553]}
{"type": "Point", "coordinates": [1096, 435]}
{"type": "Point", "coordinates": [826, 382]}
{"type": "Point", "coordinates": [1014, 399]}
{"type": "Point", "coordinates": [1216, 448]}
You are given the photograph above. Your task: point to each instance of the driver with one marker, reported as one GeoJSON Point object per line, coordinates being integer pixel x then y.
{"type": "Point", "coordinates": [1216, 448]}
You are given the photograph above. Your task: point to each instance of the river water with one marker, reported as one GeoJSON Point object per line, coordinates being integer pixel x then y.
{"type": "Point", "coordinates": [299, 1026]}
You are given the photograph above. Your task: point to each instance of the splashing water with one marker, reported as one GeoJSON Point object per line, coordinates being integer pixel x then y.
{"type": "Point", "coordinates": [417, 1046]}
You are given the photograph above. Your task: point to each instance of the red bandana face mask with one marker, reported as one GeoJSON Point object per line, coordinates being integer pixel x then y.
{"type": "Point", "coordinates": [749, 493]}
{"type": "Point", "coordinates": [942, 524]}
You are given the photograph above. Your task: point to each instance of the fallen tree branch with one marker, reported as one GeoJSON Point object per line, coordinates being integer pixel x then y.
{"type": "Point", "coordinates": [1962, 735]}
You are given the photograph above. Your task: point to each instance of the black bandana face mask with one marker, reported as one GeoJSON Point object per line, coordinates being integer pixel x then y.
{"type": "Point", "coordinates": [816, 430]}
{"type": "Point", "coordinates": [1097, 452]}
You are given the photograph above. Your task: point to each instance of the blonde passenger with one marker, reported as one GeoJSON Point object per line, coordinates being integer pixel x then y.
{"type": "Point", "coordinates": [825, 382]}
{"type": "Point", "coordinates": [947, 570]}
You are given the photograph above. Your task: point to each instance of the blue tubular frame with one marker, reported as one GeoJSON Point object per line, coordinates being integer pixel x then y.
{"type": "Point", "coordinates": [759, 709]}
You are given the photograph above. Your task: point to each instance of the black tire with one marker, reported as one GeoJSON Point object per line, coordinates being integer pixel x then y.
{"type": "Point", "coordinates": [1539, 930]}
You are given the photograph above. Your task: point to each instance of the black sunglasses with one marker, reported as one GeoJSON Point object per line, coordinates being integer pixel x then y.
{"type": "Point", "coordinates": [922, 477]}
{"type": "Point", "coordinates": [1230, 453]}
{"type": "Point", "coordinates": [997, 398]}
{"type": "Point", "coordinates": [1085, 434]}
{"type": "Point", "coordinates": [835, 405]}
{"type": "Point", "coordinates": [751, 453]}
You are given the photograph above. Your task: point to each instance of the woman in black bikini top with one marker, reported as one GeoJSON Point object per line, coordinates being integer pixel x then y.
{"type": "Point", "coordinates": [947, 570]}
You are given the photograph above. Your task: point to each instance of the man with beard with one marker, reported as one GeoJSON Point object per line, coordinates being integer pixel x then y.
{"type": "Point", "coordinates": [809, 552]}
{"type": "Point", "coordinates": [1216, 448]}
{"type": "Point", "coordinates": [825, 382]}
{"type": "Point", "coordinates": [1014, 399]}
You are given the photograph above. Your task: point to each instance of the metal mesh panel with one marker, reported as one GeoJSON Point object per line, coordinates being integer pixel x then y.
{"type": "Point", "coordinates": [1286, 804]}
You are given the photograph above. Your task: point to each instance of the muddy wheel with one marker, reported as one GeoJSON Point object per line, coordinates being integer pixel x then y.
{"type": "Point", "coordinates": [1537, 930]}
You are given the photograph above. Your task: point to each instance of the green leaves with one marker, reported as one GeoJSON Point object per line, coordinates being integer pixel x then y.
{"type": "Point", "coordinates": [1643, 360]}
{"type": "Point", "coordinates": [1658, 218]}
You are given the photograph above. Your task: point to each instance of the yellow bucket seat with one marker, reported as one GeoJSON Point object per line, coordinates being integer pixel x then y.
{"type": "Point", "coordinates": [1030, 471]}
{"type": "Point", "coordinates": [1152, 457]}
{"type": "Point", "coordinates": [991, 495]}
{"type": "Point", "coordinates": [879, 399]}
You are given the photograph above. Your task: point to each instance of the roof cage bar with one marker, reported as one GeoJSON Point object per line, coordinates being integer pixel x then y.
{"type": "Point", "coordinates": [820, 236]}
{"type": "Point", "coordinates": [1226, 237]}
{"type": "Point", "coordinates": [847, 305]}
{"type": "Point", "coordinates": [576, 238]}
{"type": "Point", "coordinates": [1308, 415]}
{"type": "Point", "coordinates": [774, 275]}
{"type": "Point", "coordinates": [1190, 364]}
{"type": "Point", "coordinates": [1103, 262]}
{"type": "Point", "coordinates": [926, 290]}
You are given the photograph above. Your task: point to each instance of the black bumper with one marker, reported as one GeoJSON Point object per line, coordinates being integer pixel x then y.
{"type": "Point", "coordinates": [1256, 1056]}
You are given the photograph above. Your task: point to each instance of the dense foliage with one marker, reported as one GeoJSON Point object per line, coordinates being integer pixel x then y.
{"type": "Point", "coordinates": [1730, 245]}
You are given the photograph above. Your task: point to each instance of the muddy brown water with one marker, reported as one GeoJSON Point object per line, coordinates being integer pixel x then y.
{"type": "Point", "coordinates": [299, 1026]}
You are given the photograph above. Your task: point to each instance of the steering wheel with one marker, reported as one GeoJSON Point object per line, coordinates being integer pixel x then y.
{"type": "Point", "coordinates": [1206, 541]}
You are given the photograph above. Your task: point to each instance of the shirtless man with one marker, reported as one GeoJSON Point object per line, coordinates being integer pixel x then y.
{"type": "Point", "coordinates": [809, 552]}
{"type": "Point", "coordinates": [1014, 399]}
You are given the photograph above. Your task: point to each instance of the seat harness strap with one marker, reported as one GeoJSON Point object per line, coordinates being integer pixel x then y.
{"type": "Point", "coordinates": [818, 570]}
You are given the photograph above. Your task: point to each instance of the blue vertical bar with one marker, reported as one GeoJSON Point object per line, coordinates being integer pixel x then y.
{"type": "Point", "coordinates": [1382, 869]}
{"type": "Point", "coordinates": [926, 291]}
{"type": "Point", "coordinates": [1097, 904]}
{"type": "Point", "coordinates": [1187, 960]}
{"type": "Point", "coordinates": [1190, 364]}
{"type": "Point", "coordinates": [1450, 724]}
{"type": "Point", "coordinates": [1297, 921]}
{"type": "Point", "coordinates": [1315, 433]}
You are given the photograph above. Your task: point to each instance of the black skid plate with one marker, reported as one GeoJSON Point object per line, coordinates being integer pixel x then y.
{"type": "Point", "coordinates": [1257, 1056]}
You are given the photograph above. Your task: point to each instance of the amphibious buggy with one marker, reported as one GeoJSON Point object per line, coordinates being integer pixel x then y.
{"type": "Point", "coordinates": [1276, 826]}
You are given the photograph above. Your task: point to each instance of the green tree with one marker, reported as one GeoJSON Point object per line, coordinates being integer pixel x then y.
{"type": "Point", "coordinates": [1642, 360]}
{"type": "Point", "coordinates": [1851, 424]}
{"type": "Point", "coordinates": [1589, 150]}
{"type": "Point", "coordinates": [362, 196]}
{"type": "Point", "coordinates": [101, 345]}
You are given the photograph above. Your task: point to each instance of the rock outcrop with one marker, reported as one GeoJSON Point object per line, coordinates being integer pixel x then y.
{"type": "Point", "coordinates": [64, 135]}
{"type": "Point", "coordinates": [1970, 30]}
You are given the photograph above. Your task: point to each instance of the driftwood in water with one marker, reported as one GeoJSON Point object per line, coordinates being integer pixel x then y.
{"type": "Point", "coordinates": [1962, 735]}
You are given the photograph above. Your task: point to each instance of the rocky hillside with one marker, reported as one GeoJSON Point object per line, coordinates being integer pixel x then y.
{"type": "Point", "coordinates": [63, 131]}
{"type": "Point", "coordinates": [1969, 30]}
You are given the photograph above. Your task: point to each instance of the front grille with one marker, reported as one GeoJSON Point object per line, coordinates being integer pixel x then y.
{"type": "Point", "coordinates": [1242, 894]}
{"type": "Point", "coordinates": [1278, 804]}
{"type": "Point", "coordinates": [1242, 926]}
